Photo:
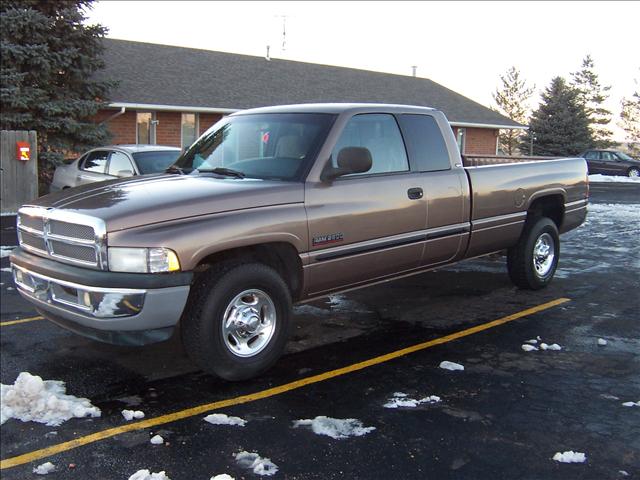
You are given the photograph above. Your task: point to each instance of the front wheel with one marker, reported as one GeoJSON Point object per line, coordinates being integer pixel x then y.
{"type": "Point", "coordinates": [237, 321]}
{"type": "Point", "coordinates": [634, 172]}
{"type": "Point", "coordinates": [532, 262]}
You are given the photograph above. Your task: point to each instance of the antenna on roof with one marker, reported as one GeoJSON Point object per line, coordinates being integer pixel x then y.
{"type": "Point", "coordinates": [284, 31]}
{"type": "Point", "coordinates": [415, 69]}
{"type": "Point", "coordinates": [268, 58]}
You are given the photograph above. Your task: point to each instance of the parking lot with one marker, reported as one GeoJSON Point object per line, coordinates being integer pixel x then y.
{"type": "Point", "coordinates": [503, 417]}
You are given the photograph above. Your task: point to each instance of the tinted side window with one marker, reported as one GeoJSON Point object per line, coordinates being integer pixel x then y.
{"type": "Point", "coordinates": [118, 162]}
{"type": "Point", "coordinates": [591, 155]}
{"type": "Point", "coordinates": [96, 161]}
{"type": "Point", "coordinates": [608, 156]}
{"type": "Point", "coordinates": [426, 146]}
{"type": "Point", "coordinates": [381, 135]}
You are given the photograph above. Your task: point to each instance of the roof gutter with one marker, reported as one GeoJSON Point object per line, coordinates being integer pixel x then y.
{"type": "Point", "coordinates": [488, 125]}
{"type": "Point", "coordinates": [172, 108]}
{"type": "Point", "coordinates": [117, 114]}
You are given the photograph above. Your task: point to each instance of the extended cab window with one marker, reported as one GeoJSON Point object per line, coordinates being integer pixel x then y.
{"type": "Point", "coordinates": [381, 135]}
{"type": "Point", "coordinates": [269, 146]}
{"type": "Point", "coordinates": [96, 162]}
{"type": "Point", "coordinates": [425, 143]}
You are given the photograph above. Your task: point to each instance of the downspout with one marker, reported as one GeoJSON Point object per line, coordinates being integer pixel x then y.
{"type": "Point", "coordinates": [117, 114]}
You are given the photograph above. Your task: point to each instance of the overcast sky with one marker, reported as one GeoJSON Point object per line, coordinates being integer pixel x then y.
{"type": "Point", "coordinates": [464, 46]}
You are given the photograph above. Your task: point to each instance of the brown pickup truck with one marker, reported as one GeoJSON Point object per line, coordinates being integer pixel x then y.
{"type": "Point", "coordinates": [279, 205]}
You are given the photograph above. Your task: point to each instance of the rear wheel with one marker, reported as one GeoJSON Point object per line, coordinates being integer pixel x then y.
{"type": "Point", "coordinates": [633, 172]}
{"type": "Point", "coordinates": [533, 261]}
{"type": "Point", "coordinates": [237, 322]}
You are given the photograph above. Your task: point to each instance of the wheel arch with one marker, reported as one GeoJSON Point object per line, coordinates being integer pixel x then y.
{"type": "Point", "coordinates": [550, 205]}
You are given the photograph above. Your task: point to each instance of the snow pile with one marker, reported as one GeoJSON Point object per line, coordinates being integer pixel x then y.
{"type": "Point", "coordinates": [31, 399]}
{"type": "Point", "coordinates": [598, 178]}
{"type": "Point", "coordinates": [222, 476]}
{"type": "Point", "coordinates": [553, 346]}
{"type": "Point", "coordinates": [602, 342]}
{"type": "Point", "coordinates": [400, 399]}
{"type": "Point", "coordinates": [335, 427]}
{"type": "Point", "coordinates": [146, 475]}
{"type": "Point", "coordinates": [631, 404]}
{"type": "Point", "coordinates": [570, 457]}
{"type": "Point", "coordinates": [451, 366]}
{"type": "Point", "coordinates": [530, 345]}
{"type": "Point", "coordinates": [529, 348]}
{"type": "Point", "coordinates": [259, 465]}
{"type": "Point", "coordinates": [131, 414]}
{"type": "Point", "coordinates": [157, 440]}
{"type": "Point", "coordinates": [533, 341]}
{"type": "Point", "coordinates": [44, 469]}
{"type": "Point", "coordinates": [5, 251]}
{"type": "Point", "coordinates": [222, 419]}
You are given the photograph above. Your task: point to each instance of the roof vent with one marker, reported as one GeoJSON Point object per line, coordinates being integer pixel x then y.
{"type": "Point", "coordinates": [415, 69]}
{"type": "Point", "coordinates": [268, 58]}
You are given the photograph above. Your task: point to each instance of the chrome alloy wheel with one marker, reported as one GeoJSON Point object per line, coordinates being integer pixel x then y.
{"type": "Point", "coordinates": [249, 323]}
{"type": "Point", "coordinates": [544, 253]}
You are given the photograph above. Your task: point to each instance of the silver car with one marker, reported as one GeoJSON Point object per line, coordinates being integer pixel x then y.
{"type": "Point", "coordinates": [114, 161]}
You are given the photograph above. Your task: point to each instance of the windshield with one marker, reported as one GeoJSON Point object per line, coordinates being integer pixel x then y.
{"type": "Point", "coordinates": [623, 156]}
{"type": "Point", "coordinates": [267, 146]}
{"type": "Point", "coordinates": [155, 162]}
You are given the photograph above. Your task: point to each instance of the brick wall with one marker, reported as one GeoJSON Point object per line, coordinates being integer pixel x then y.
{"type": "Point", "coordinates": [206, 120]}
{"type": "Point", "coordinates": [122, 128]}
{"type": "Point", "coordinates": [168, 128]}
{"type": "Point", "coordinates": [480, 141]}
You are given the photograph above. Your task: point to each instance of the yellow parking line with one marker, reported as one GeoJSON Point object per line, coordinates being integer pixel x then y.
{"type": "Point", "coordinates": [21, 320]}
{"type": "Point", "coordinates": [287, 387]}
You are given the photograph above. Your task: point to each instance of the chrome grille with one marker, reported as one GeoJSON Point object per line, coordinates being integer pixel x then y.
{"type": "Point", "coordinates": [76, 252]}
{"type": "Point", "coordinates": [65, 236]}
{"type": "Point", "coordinates": [71, 230]}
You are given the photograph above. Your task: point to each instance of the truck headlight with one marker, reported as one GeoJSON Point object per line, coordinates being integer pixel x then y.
{"type": "Point", "coordinates": [142, 260]}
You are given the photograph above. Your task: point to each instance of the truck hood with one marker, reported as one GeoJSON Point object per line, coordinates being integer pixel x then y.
{"type": "Point", "coordinates": [151, 199]}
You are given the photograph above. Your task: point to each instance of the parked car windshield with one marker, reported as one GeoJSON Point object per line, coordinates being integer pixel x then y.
{"type": "Point", "coordinates": [623, 156]}
{"type": "Point", "coordinates": [155, 162]}
{"type": "Point", "coordinates": [268, 146]}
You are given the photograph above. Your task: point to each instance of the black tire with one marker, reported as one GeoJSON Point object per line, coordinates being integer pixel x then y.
{"type": "Point", "coordinates": [202, 324]}
{"type": "Point", "coordinates": [633, 172]}
{"type": "Point", "coordinates": [520, 258]}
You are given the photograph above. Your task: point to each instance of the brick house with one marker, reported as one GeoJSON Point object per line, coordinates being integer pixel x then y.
{"type": "Point", "coordinates": [170, 95]}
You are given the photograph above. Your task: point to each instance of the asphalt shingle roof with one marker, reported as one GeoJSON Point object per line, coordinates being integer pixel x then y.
{"type": "Point", "coordinates": [166, 75]}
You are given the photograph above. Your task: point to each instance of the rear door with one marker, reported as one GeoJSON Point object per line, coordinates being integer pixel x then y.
{"type": "Point", "coordinates": [612, 164]}
{"type": "Point", "coordinates": [593, 161]}
{"type": "Point", "coordinates": [366, 226]}
{"type": "Point", "coordinates": [446, 190]}
{"type": "Point", "coordinates": [93, 168]}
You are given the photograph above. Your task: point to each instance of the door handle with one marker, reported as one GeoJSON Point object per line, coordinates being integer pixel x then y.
{"type": "Point", "coordinates": [415, 193]}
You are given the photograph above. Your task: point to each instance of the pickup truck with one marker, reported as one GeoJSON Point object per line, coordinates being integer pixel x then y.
{"type": "Point", "coordinates": [281, 205]}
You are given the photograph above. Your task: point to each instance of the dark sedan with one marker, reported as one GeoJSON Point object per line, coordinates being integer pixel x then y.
{"type": "Point", "coordinates": [611, 162]}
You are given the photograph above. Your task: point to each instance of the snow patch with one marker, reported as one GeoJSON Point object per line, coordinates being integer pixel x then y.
{"type": "Point", "coordinates": [31, 399]}
{"type": "Point", "coordinates": [335, 427]}
{"type": "Point", "coordinates": [222, 419]}
{"type": "Point", "coordinates": [602, 342]}
{"type": "Point", "coordinates": [6, 269]}
{"type": "Point", "coordinates": [631, 404]}
{"type": "Point", "coordinates": [6, 251]}
{"type": "Point", "coordinates": [222, 476]}
{"type": "Point", "coordinates": [157, 440]}
{"type": "Point", "coordinates": [529, 348]}
{"type": "Point", "coordinates": [599, 178]}
{"type": "Point", "coordinates": [553, 346]}
{"type": "Point", "coordinates": [44, 469]}
{"type": "Point", "coordinates": [259, 465]}
{"type": "Point", "coordinates": [400, 399]}
{"type": "Point", "coordinates": [533, 341]}
{"type": "Point", "coordinates": [131, 414]}
{"type": "Point", "coordinates": [451, 365]}
{"type": "Point", "coordinates": [146, 475]}
{"type": "Point", "coordinates": [570, 457]}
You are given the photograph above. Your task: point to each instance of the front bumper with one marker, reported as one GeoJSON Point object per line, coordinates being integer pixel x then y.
{"type": "Point", "coordinates": [116, 313]}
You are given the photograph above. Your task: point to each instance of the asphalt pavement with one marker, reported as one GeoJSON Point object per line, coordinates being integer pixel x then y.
{"type": "Point", "coordinates": [504, 417]}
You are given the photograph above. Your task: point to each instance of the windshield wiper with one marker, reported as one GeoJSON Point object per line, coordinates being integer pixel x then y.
{"type": "Point", "coordinates": [175, 169]}
{"type": "Point", "coordinates": [223, 171]}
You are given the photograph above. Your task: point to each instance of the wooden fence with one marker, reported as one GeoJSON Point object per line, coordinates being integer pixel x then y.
{"type": "Point", "coordinates": [19, 178]}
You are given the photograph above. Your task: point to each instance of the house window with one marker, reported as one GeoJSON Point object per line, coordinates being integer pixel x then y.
{"type": "Point", "coordinates": [189, 129]}
{"type": "Point", "coordinates": [145, 128]}
{"type": "Point", "coordinates": [460, 138]}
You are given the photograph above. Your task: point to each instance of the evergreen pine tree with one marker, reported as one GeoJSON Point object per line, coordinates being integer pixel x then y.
{"type": "Point", "coordinates": [560, 125]}
{"type": "Point", "coordinates": [630, 121]}
{"type": "Point", "coordinates": [48, 58]}
{"type": "Point", "coordinates": [593, 95]}
{"type": "Point", "coordinates": [512, 98]}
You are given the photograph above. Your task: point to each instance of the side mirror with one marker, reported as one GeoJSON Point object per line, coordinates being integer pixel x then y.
{"type": "Point", "coordinates": [124, 173]}
{"type": "Point", "coordinates": [350, 160]}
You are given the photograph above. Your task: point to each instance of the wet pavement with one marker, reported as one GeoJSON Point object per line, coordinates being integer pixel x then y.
{"type": "Point", "coordinates": [503, 417]}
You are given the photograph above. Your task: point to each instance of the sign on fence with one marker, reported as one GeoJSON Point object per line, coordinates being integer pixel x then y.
{"type": "Point", "coordinates": [18, 169]}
